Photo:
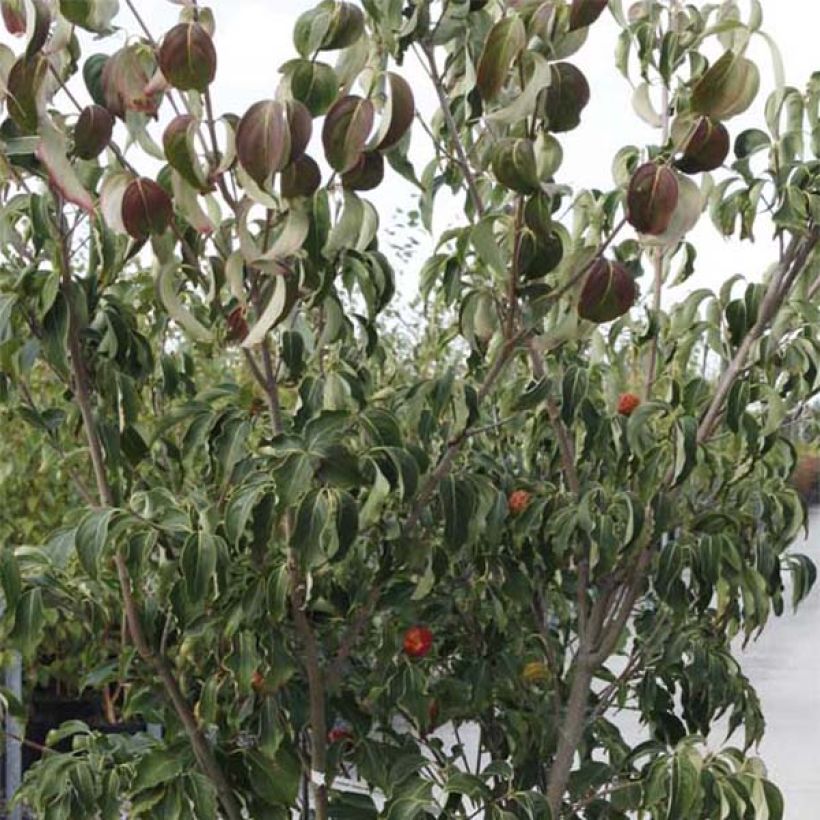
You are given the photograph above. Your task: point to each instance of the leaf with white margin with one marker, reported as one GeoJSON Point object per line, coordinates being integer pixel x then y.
{"type": "Point", "coordinates": [348, 226]}
{"type": "Point", "coordinates": [370, 226]}
{"type": "Point", "coordinates": [111, 194]}
{"type": "Point", "coordinates": [288, 242]}
{"type": "Point", "coordinates": [52, 151]}
{"type": "Point", "coordinates": [228, 150]}
{"type": "Point", "coordinates": [165, 278]}
{"type": "Point", "coordinates": [524, 104]}
{"type": "Point", "coordinates": [93, 15]}
{"type": "Point", "coordinates": [684, 218]}
{"type": "Point", "coordinates": [235, 277]}
{"type": "Point", "coordinates": [642, 103]}
{"type": "Point", "coordinates": [279, 306]}
{"type": "Point", "coordinates": [253, 190]}
{"type": "Point", "coordinates": [187, 203]}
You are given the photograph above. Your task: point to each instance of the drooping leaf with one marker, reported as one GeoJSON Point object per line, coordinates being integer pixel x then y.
{"type": "Point", "coordinates": [506, 41]}
{"type": "Point", "coordinates": [52, 151]}
{"type": "Point", "coordinates": [93, 15]}
{"type": "Point", "coordinates": [263, 140]}
{"type": "Point", "coordinates": [347, 126]}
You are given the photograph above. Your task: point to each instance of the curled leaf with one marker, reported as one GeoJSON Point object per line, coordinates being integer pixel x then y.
{"type": "Point", "coordinates": [263, 140]}
{"type": "Point", "coordinates": [300, 124]}
{"type": "Point", "coordinates": [514, 165]}
{"type": "Point", "coordinates": [187, 57]}
{"type": "Point", "coordinates": [727, 88]}
{"type": "Point", "coordinates": [92, 15]}
{"type": "Point", "coordinates": [146, 208]}
{"type": "Point", "coordinates": [93, 130]}
{"type": "Point", "coordinates": [52, 151]}
{"type": "Point", "coordinates": [652, 198]}
{"type": "Point", "coordinates": [398, 113]}
{"type": "Point", "coordinates": [178, 141]}
{"type": "Point", "coordinates": [277, 309]}
{"type": "Point", "coordinates": [313, 84]}
{"type": "Point", "coordinates": [346, 129]}
{"type": "Point", "coordinates": [14, 16]}
{"type": "Point", "coordinates": [25, 92]}
{"type": "Point", "coordinates": [506, 41]}
{"type": "Point", "coordinates": [585, 12]}
{"type": "Point", "coordinates": [367, 174]}
{"type": "Point", "coordinates": [301, 178]}
{"type": "Point", "coordinates": [165, 278]}
{"type": "Point", "coordinates": [566, 97]}
{"type": "Point", "coordinates": [124, 78]}
{"type": "Point", "coordinates": [609, 292]}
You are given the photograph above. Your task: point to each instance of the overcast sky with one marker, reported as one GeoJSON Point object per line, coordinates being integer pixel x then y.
{"type": "Point", "coordinates": [254, 39]}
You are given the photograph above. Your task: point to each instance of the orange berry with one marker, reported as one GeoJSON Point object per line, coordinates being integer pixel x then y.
{"type": "Point", "coordinates": [518, 501]}
{"type": "Point", "coordinates": [628, 403]}
{"type": "Point", "coordinates": [535, 672]}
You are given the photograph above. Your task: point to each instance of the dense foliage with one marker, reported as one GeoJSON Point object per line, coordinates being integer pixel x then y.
{"type": "Point", "coordinates": [303, 540]}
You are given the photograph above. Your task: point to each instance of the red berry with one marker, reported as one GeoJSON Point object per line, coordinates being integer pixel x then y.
{"type": "Point", "coordinates": [340, 732]}
{"type": "Point", "coordinates": [418, 640]}
{"type": "Point", "coordinates": [628, 403]}
{"type": "Point", "coordinates": [518, 501]}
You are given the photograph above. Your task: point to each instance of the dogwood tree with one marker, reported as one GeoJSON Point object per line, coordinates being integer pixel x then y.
{"type": "Point", "coordinates": [302, 540]}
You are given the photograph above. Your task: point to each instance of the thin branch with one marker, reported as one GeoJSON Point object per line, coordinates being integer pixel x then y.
{"type": "Point", "coordinates": [463, 162]}
{"type": "Point", "coordinates": [565, 446]}
{"type": "Point", "coordinates": [82, 394]}
{"type": "Point", "coordinates": [794, 260]}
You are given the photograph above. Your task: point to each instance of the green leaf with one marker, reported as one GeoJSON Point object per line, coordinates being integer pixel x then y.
{"type": "Point", "coordinates": [314, 84]}
{"type": "Point", "coordinates": [686, 430]}
{"type": "Point", "coordinates": [574, 391]}
{"type": "Point", "coordinates": [90, 538]}
{"type": "Point", "coordinates": [10, 580]}
{"type": "Point", "coordinates": [158, 767]}
{"type": "Point", "coordinates": [312, 534]}
{"type": "Point", "coordinates": [458, 504]}
{"type": "Point", "coordinates": [413, 799]}
{"type": "Point", "coordinates": [92, 15]}
{"type": "Point", "coordinates": [178, 142]}
{"type": "Point", "coordinates": [276, 780]}
{"type": "Point", "coordinates": [488, 247]}
{"type": "Point", "coordinates": [683, 787]}
{"type": "Point", "coordinates": [29, 621]}
{"type": "Point", "coordinates": [67, 729]}
{"type": "Point", "coordinates": [240, 508]}
{"type": "Point", "coordinates": [198, 565]}
{"type": "Point", "coordinates": [371, 510]}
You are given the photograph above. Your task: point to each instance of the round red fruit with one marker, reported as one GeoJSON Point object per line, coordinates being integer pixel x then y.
{"type": "Point", "coordinates": [628, 403]}
{"type": "Point", "coordinates": [418, 641]}
{"type": "Point", "coordinates": [518, 501]}
{"type": "Point", "coordinates": [340, 732]}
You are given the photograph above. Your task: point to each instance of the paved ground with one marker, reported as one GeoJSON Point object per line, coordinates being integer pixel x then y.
{"type": "Point", "coordinates": [784, 666]}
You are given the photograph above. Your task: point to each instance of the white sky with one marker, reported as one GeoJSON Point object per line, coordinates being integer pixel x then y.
{"type": "Point", "coordinates": [254, 39]}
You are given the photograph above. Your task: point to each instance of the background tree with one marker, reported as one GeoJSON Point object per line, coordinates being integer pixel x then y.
{"type": "Point", "coordinates": [310, 539]}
